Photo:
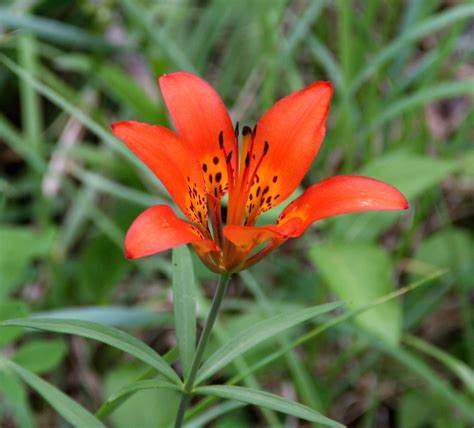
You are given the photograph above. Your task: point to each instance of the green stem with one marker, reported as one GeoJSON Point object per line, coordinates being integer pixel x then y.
{"type": "Point", "coordinates": [206, 333]}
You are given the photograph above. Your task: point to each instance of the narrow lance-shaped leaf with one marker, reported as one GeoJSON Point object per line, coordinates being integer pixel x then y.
{"type": "Point", "coordinates": [270, 401]}
{"type": "Point", "coordinates": [68, 408]}
{"type": "Point", "coordinates": [184, 305]}
{"type": "Point", "coordinates": [259, 332]}
{"type": "Point", "coordinates": [105, 334]}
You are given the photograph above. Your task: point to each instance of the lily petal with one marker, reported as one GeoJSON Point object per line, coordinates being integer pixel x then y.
{"type": "Point", "coordinates": [158, 229]}
{"type": "Point", "coordinates": [336, 195]}
{"type": "Point", "coordinates": [203, 122]}
{"type": "Point", "coordinates": [341, 194]}
{"type": "Point", "coordinates": [291, 133]}
{"type": "Point", "coordinates": [172, 162]}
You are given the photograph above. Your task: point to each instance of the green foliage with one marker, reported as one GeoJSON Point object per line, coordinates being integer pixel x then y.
{"type": "Point", "coordinates": [359, 274]}
{"type": "Point", "coordinates": [402, 112]}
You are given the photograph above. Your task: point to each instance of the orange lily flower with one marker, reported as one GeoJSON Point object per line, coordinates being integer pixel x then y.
{"type": "Point", "coordinates": [203, 161]}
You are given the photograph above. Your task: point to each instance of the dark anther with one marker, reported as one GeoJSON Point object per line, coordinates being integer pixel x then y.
{"type": "Point", "coordinates": [210, 178]}
{"type": "Point", "coordinates": [247, 160]}
{"type": "Point", "coordinates": [215, 160]}
{"type": "Point", "coordinates": [275, 179]}
{"type": "Point", "coordinates": [204, 167]}
{"type": "Point", "coordinates": [236, 131]}
{"type": "Point", "coordinates": [229, 157]}
{"type": "Point", "coordinates": [254, 130]}
{"type": "Point", "coordinates": [221, 140]}
{"type": "Point", "coordinates": [218, 177]}
{"type": "Point", "coordinates": [265, 149]}
{"type": "Point", "coordinates": [246, 131]}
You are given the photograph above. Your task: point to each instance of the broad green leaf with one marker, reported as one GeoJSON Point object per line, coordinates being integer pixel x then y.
{"type": "Point", "coordinates": [19, 246]}
{"type": "Point", "coordinates": [184, 305]}
{"type": "Point", "coordinates": [39, 356]}
{"type": "Point", "coordinates": [259, 332]}
{"type": "Point", "coordinates": [359, 274]}
{"type": "Point", "coordinates": [109, 335]}
{"type": "Point", "coordinates": [68, 408]}
{"type": "Point", "coordinates": [146, 407]}
{"type": "Point", "coordinates": [451, 248]}
{"type": "Point", "coordinates": [411, 174]}
{"type": "Point", "coordinates": [265, 399]}
{"type": "Point", "coordinates": [11, 309]}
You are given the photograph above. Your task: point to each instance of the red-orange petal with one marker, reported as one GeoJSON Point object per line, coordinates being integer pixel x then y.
{"type": "Point", "coordinates": [293, 129]}
{"type": "Point", "coordinates": [172, 161]}
{"type": "Point", "coordinates": [341, 195]}
{"type": "Point", "coordinates": [246, 238]}
{"type": "Point", "coordinates": [158, 229]}
{"type": "Point", "coordinates": [330, 197]}
{"type": "Point", "coordinates": [200, 118]}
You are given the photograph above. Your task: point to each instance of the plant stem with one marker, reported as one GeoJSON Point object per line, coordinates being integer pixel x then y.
{"type": "Point", "coordinates": [206, 333]}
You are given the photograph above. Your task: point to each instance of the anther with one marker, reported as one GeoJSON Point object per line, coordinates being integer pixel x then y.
{"type": "Point", "coordinates": [236, 130]}
{"type": "Point", "coordinates": [246, 131]}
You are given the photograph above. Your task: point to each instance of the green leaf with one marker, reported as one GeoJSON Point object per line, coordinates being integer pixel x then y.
{"type": "Point", "coordinates": [459, 368]}
{"type": "Point", "coordinates": [20, 245]}
{"type": "Point", "coordinates": [14, 397]}
{"type": "Point", "coordinates": [39, 356]}
{"type": "Point", "coordinates": [109, 335]}
{"type": "Point", "coordinates": [359, 274]}
{"type": "Point", "coordinates": [258, 333]}
{"type": "Point", "coordinates": [146, 407]}
{"type": "Point", "coordinates": [69, 409]}
{"type": "Point", "coordinates": [184, 305]}
{"type": "Point", "coordinates": [53, 30]}
{"type": "Point", "coordinates": [11, 309]}
{"type": "Point", "coordinates": [265, 399]}
{"type": "Point", "coordinates": [433, 379]}
{"type": "Point", "coordinates": [451, 248]}
{"type": "Point", "coordinates": [134, 387]}
{"type": "Point", "coordinates": [411, 174]}
{"type": "Point", "coordinates": [115, 315]}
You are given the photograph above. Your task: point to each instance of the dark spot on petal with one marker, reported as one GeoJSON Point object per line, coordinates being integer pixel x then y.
{"type": "Point", "coordinates": [218, 177]}
{"type": "Point", "coordinates": [258, 191]}
{"type": "Point", "coordinates": [275, 178]}
{"type": "Point", "coordinates": [215, 160]}
{"type": "Point", "coordinates": [221, 140]}
{"type": "Point", "coordinates": [247, 160]}
{"type": "Point", "coordinates": [210, 178]}
{"type": "Point", "coordinates": [204, 167]}
{"type": "Point", "coordinates": [265, 190]}
{"type": "Point", "coordinates": [269, 199]}
{"type": "Point", "coordinates": [265, 148]}
{"type": "Point", "coordinates": [229, 157]}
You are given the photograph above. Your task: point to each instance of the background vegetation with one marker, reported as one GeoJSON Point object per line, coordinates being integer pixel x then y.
{"type": "Point", "coordinates": [402, 112]}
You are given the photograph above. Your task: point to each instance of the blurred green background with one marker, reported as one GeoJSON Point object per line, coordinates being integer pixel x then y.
{"type": "Point", "coordinates": [403, 112]}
